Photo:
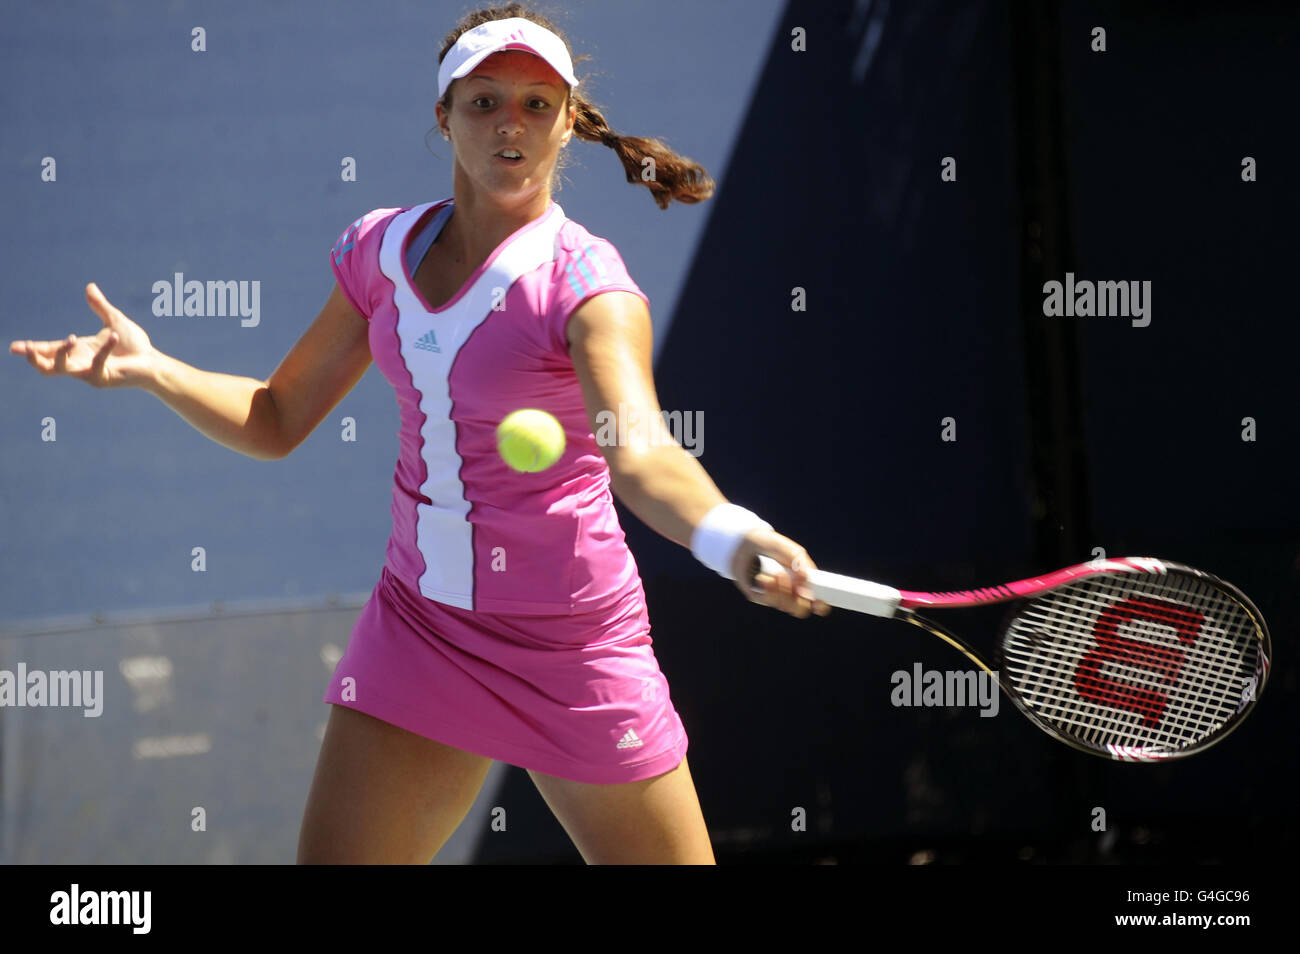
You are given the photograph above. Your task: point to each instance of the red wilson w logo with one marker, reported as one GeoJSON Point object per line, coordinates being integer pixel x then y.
{"type": "Point", "coordinates": [1165, 662]}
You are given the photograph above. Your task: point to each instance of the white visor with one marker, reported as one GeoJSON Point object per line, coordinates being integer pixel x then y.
{"type": "Point", "coordinates": [515, 33]}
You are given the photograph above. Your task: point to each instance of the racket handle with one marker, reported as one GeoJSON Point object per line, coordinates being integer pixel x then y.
{"type": "Point", "coordinates": [846, 592]}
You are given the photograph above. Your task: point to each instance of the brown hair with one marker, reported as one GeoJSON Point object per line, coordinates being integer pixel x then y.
{"type": "Point", "coordinates": [674, 177]}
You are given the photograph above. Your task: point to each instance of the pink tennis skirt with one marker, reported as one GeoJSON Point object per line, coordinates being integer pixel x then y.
{"type": "Point", "coordinates": [579, 697]}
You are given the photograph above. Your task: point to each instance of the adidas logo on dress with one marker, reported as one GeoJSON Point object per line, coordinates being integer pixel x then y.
{"type": "Point", "coordinates": [428, 343]}
{"type": "Point", "coordinates": [630, 740]}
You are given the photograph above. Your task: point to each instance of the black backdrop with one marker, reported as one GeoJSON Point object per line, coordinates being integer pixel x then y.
{"type": "Point", "coordinates": [922, 304]}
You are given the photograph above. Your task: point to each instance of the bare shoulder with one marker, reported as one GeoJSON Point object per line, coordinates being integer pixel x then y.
{"type": "Point", "coordinates": [617, 314]}
{"type": "Point", "coordinates": [323, 366]}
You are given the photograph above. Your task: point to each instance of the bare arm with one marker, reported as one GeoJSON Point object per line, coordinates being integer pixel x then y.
{"type": "Point", "coordinates": [325, 364]}
{"type": "Point", "coordinates": [265, 420]}
{"type": "Point", "coordinates": [234, 411]}
{"type": "Point", "coordinates": [268, 419]}
{"type": "Point", "coordinates": [610, 341]}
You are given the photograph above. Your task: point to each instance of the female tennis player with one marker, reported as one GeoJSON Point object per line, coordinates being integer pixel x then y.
{"type": "Point", "coordinates": [509, 621]}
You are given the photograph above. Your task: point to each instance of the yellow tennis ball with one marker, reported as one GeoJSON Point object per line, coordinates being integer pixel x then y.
{"type": "Point", "coordinates": [530, 440]}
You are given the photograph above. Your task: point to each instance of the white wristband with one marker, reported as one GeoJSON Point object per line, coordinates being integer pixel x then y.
{"type": "Point", "coordinates": [719, 534]}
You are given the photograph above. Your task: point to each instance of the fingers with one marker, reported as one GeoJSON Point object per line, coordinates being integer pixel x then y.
{"type": "Point", "coordinates": [49, 357]}
{"type": "Point", "coordinates": [778, 594]}
{"type": "Point", "coordinates": [40, 354]}
{"type": "Point", "coordinates": [61, 355]}
{"type": "Point", "coordinates": [101, 305]}
{"type": "Point", "coordinates": [794, 581]}
{"type": "Point", "coordinates": [64, 356]}
{"type": "Point", "coordinates": [789, 590]}
{"type": "Point", "coordinates": [97, 364]}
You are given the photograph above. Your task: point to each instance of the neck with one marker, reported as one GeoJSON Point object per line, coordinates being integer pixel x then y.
{"type": "Point", "coordinates": [480, 223]}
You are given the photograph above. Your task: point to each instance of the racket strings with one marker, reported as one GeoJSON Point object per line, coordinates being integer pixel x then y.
{"type": "Point", "coordinates": [1181, 721]}
{"type": "Point", "coordinates": [1134, 661]}
{"type": "Point", "coordinates": [1154, 718]}
{"type": "Point", "coordinates": [1085, 620]}
{"type": "Point", "coordinates": [1066, 642]}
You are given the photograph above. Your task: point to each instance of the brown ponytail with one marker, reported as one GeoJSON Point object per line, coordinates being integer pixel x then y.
{"type": "Point", "coordinates": [647, 162]}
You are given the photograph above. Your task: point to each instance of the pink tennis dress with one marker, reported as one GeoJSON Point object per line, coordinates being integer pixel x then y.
{"type": "Point", "coordinates": [509, 619]}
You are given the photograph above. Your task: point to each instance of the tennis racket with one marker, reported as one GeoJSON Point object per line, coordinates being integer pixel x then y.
{"type": "Point", "coordinates": [1132, 659]}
